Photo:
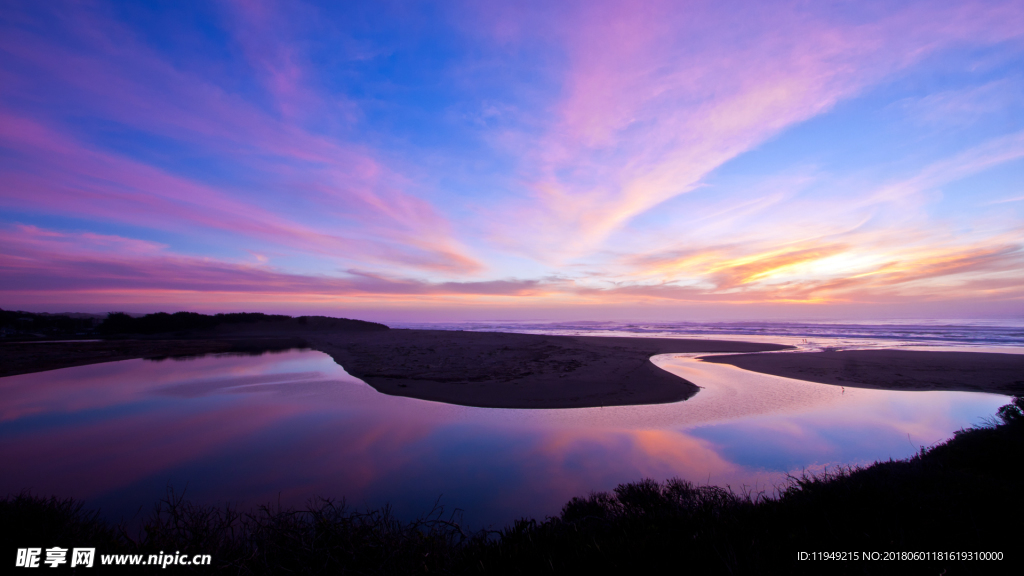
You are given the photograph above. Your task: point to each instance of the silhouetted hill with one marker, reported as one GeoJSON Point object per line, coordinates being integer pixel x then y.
{"type": "Point", "coordinates": [30, 325]}
{"type": "Point", "coordinates": [162, 323]}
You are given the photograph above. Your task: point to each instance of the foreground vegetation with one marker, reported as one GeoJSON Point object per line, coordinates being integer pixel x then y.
{"type": "Point", "coordinates": [960, 496]}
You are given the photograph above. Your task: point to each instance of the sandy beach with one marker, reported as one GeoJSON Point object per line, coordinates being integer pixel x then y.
{"type": "Point", "coordinates": [893, 369]}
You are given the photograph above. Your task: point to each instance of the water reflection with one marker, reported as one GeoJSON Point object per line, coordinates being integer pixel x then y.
{"type": "Point", "coordinates": [283, 427]}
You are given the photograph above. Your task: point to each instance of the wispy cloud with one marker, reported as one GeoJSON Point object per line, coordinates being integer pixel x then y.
{"type": "Point", "coordinates": [39, 260]}
{"type": "Point", "coordinates": [552, 154]}
{"type": "Point", "coordinates": [655, 101]}
{"type": "Point", "coordinates": [128, 84]}
{"type": "Point", "coordinates": [84, 265]}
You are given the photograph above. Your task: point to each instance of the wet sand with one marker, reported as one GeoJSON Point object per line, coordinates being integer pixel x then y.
{"type": "Point", "coordinates": [504, 370]}
{"type": "Point", "coordinates": [893, 369]}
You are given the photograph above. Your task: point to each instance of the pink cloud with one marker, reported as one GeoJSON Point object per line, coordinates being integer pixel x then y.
{"type": "Point", "coordinates": [125, 82]}
{"type": "Point", "coordinates": [658, 96]}
{"type": "Point", "coordinates": [42, 265]}
{"type": "Point", "coordinates": [649, 100]}
{"type": "Point", "coordinates": [64, 176]}
{"type": "Point", "coordinates": [37, 261]}
{"type": "Point", "coordinates": [262, 29]}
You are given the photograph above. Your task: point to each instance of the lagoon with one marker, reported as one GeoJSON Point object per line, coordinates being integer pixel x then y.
{"type": "Point", "coordinates": [283, 427]}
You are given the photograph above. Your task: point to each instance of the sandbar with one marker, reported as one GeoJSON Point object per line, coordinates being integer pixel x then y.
{"type": "Point", "coordinates": [482, 369]}
{"type": "Point", "coordinates": [892, 369]}
{"type": "Point", "coordinates": [508, 370]}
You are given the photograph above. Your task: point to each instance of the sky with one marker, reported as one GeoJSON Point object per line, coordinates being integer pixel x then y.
{"type": "Point", "coordinates": [446, 161]}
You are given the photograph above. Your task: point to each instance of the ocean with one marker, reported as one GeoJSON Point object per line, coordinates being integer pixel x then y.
{"type": "Point", "coordinates": [981, 335]}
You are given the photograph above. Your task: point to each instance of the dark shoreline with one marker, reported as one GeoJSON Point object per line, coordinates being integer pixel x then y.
{"type": "Point", "coordinates": [510, 370]}
{"type": "Point", "coordinates": [28, 357]}
{"type": "Point", "coordinates": [483, 369]}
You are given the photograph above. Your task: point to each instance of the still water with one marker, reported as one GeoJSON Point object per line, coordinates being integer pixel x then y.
{"type": "Point", "coordinates": [283, 427]}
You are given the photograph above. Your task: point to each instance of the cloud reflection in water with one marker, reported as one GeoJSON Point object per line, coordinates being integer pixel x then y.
{"type": "Point", "coordinates": [285, 427]}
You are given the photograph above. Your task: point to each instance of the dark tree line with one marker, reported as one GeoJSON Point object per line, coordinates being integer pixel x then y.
{"type": "Point", "coordinates": [162, 322]}
{"type": "Point", "coordinates": [121, 323]}
{"type": "Point", "coordinates": [19, 323]}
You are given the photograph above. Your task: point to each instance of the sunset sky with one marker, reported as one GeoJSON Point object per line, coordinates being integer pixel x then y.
{"type": "Point", "coordinates": [514, 160]}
